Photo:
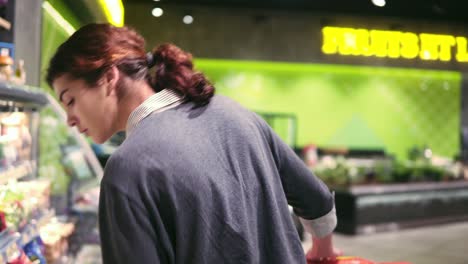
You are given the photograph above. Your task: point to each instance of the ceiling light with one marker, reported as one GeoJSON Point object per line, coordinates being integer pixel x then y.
{"type": "Point", "coordinates": [157, 12]}
{"type": "Point", "coordinates": [188, 19]}
{"type": "Point", "coordinates": [114, 11]}
{"type": "Point", "coordinates": [379, 3]}
{"type": "Point", "coordinates": [59, 19]}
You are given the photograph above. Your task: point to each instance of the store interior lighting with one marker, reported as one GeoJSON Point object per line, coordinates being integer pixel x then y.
{"type": "Point", "coordinates": [157, 12]}
{"type": "Point", "coordinates": [188, 19]}
{"type": "Point", "coordinates": [62, 22]}
{"type": "Point", "coordinates": [114, 11]}
{"type": "Point", "coordinates": [379, 3]}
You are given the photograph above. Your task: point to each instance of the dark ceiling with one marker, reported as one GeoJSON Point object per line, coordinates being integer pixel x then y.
{"type": "Point", "coordinates": [439, 10]}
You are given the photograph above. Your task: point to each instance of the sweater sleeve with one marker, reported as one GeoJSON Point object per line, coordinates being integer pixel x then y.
{"type": "Point", "coordinates": [125, 229]}
{"type": "Point", "coordinates": [310, 198]}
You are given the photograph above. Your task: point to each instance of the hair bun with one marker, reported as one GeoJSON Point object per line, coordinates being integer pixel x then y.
{"type": "Point", "coordinates": [174, 70]}
{"type": "Point", "coordinates": [172, 56]}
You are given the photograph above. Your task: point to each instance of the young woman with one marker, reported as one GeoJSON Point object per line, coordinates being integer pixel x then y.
{"type": "Point", "coordinates": [199, 179]}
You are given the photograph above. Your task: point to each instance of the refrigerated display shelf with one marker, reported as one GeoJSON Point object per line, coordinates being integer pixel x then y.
{"type": "Point", "coordinates": [9, 247]}
{"type": "Point", "coordinates": [16, 172]}
{"type": "Point", "coordinates": [24, 94]}
{"type": "Point", "coordinates": [12, 241]}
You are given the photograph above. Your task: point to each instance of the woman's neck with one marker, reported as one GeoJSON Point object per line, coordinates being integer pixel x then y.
{"type": "Point", "coordinates": [137, 92]}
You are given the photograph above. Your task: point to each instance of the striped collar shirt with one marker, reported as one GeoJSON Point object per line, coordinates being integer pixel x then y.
{"type": "Point", "coordinates": [156, 103]}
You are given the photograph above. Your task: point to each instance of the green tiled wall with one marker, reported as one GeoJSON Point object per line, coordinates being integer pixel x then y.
{"type": "Point", "coordinates": [53, 132]}
{"type": "Point", "coordinates": [350, 106]}
{"type": "Point", "coordinates": [53, 34]}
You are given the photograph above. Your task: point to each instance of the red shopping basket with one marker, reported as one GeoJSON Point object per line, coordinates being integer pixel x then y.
{"type": "Point", "coordinates": [348, 260]}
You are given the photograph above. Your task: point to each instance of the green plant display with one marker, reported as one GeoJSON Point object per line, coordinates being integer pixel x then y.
{"type": "Point", "coordinates": [53, 133]}
{"type": "Point", "coordinates": [343, 172]}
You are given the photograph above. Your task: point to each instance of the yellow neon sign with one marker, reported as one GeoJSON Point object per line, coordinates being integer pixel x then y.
{"type": "Point", "coordinates": [393, 44]}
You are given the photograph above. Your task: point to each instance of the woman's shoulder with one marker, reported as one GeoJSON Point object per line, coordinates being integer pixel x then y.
{"type": "Point", "coordinates": [120, 163]}
{"type": "Point", "coordinates": [224, 101]}
{"type": "Point", "coordinates": [129, 166]}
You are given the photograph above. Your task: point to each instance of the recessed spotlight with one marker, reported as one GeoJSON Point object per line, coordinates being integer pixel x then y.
{"type": "Point", "coordinates": [188, 19]}
{"type": "Point", "coordinates": [379, 3]}
{"type": "Point", "coordinates": [157, 12]}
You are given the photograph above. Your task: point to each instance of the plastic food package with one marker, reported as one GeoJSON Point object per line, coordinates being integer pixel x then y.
{"type": "Point", "coordinates": [55, 237]}
{"type": "Point", "coordinates": [35, 250]}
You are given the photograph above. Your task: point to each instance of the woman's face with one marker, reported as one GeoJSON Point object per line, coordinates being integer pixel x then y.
{"type": "Point", "coordinates": [93, 110]}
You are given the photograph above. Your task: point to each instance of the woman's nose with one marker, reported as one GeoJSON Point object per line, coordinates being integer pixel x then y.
{"type": "Point", "coordinates": [71, 121]}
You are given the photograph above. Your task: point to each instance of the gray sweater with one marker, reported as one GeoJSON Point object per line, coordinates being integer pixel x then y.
{"type": "Point", "coordinates": [206, 185]}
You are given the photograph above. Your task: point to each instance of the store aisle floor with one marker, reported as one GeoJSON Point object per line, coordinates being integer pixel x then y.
{"type": "Point", "coordinates": [426, 245]}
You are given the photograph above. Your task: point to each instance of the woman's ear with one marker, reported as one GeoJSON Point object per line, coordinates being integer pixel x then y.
{"type": "Point", "coordinates": [111, 78]}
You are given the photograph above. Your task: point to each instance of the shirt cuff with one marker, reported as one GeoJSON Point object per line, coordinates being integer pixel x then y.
{"type": "Point", "coordinates": [322, 226]}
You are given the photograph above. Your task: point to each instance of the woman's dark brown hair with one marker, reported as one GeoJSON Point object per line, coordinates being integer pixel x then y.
{"type": "Point", "coordinates": [95, 48]}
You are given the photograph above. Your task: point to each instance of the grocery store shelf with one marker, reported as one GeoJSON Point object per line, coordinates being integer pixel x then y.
{"type": "Point", "coordinates": [8, 246]}
{"type": "Point", "coordinates": [16, 172]}
{"type": "Point", "coordinates": [31, 230]}
{"type": "Point", "coordinates": [22, 94]}
{"type": "Point", "coordinates": [11, 241]}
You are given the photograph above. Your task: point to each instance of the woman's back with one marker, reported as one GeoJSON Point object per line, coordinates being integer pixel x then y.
{"type": "Point", "coordinates": [209, 183]}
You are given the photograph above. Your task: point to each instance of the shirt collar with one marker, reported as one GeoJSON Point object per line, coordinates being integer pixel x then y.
{"type": "Point", "coordinates": [158, 102]}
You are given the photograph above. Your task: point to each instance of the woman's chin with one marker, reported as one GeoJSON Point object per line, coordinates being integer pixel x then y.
{"type": "Point", "coordinates": [98, 139]}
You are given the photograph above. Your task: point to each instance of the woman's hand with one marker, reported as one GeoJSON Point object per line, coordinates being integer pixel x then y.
{"type": "Point", "coordinates": [322, 248]}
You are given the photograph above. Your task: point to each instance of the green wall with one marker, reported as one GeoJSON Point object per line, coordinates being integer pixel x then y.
{"type": "Point", "coordinates": [53, 34]}
{"type": "Point", "coordinates": [53, 132]}
{"type": "Point", "coordinates": [350, 106]}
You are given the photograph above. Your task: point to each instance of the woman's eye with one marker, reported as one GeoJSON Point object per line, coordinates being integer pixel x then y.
{"type": "Point", "coordinates": [71, 102]}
